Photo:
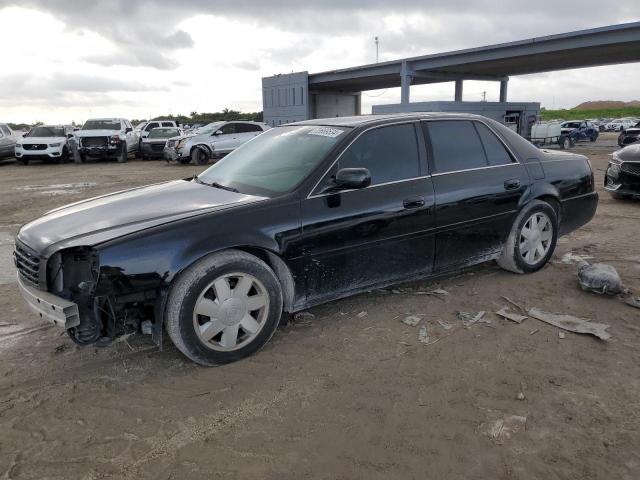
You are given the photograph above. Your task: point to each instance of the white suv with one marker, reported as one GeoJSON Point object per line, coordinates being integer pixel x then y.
{"type": "Point", "coordinates": [44, 142]}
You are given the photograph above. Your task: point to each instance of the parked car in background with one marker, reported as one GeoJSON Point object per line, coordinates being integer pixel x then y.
{"type": "Point", "coordinates": [144, 131]}
{"type": "Point", "coordinates": [153, 145]}
{"type": "Point", "coordinates": [304, 214]}
{"type": "Point", "coordinates": [45, 142]}
{"type": "Point", "coordinates": [580, 130]}
{"type": "Point", "coordinates": [622, 178]}
{"type": "Point", "coordinates": [620, 124]}
{"type": "Point", "coordinates": [548, 133]}
{"type": "Point", "coordinates": [212, 141]}
{"type": "Point", "coordinates": [107, 138]}
{"type": "Point", "coordinates": [629, 136]}
{"type": "Point", "coordinates": [8, 141]}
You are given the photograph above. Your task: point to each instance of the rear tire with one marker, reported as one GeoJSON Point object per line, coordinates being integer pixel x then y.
{"type": "Point", "coordinates": [527, 235]}
{"type": "Point", "coordinates": [223, 308]}
{"type": "Point", "coordinates": [565, 143]}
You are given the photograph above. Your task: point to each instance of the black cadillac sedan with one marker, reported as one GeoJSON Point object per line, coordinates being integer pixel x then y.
{"type": "Point", "coordinates": [303, 214]}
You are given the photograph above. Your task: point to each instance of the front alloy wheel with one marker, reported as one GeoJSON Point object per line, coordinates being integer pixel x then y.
{"type": "Point", "coordinates": [224, 307]}
{"type": "Point", "coordinates": [231, 311]}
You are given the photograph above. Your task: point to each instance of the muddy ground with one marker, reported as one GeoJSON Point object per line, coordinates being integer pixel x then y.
{"type": "Point", "coordinates": [350, 394]}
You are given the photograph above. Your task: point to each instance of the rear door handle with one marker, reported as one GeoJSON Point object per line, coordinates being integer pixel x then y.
{"type": "Point", "coordinates": [413, 202]}
{"type": "Point", "coordinates": [512, 184]}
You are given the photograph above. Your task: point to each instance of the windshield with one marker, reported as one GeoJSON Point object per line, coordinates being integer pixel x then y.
{"type": "Point", "coordinates": [209, 128]}
{"type": "Point", "coordinates": [101, 125]}
{"type": "Point", "coordinates": [45, 131]}
{"type": "Point", "coordinates": [276, 161]}
{"type": "Point", "coordinates": [164, 133]}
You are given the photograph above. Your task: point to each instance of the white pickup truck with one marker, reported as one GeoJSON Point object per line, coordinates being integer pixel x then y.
{"type": "Point", "coordinates": [107, 138]}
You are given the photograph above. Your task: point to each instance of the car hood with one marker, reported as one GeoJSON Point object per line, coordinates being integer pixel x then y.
{"type": "Point", "coordinates": [37, 140]}
{"type": "Point", "coordinates": [96, 133]}
{"type": "Point", "coordinates": [628, 154]}
{"type": "Point", "coordinates": [104, 218]}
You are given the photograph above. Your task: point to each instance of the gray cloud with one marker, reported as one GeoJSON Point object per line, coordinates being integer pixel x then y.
{"type": "Point", "coordinates": [146, 34]}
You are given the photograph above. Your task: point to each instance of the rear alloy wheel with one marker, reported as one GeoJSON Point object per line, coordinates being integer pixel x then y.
{"type": "Point", "coordinates": [532, 239]}
{"type": "Point", "coordinates": [223, 308]}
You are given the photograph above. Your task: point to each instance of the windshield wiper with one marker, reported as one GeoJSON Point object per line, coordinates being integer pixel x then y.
{"type": "Point", "coordinates": [216, 185]}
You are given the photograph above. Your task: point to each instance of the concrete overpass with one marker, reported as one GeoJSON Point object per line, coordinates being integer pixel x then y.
{"type": "Point", "coordinates": [336, 92]}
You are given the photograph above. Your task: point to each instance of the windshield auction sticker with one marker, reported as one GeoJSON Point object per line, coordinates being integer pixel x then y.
{"type": "Point", "coordinates": [326, 132]}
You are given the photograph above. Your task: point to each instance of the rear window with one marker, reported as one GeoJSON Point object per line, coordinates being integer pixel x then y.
{"type": "Point", "coordinates": [455, 145]}
{"type": "Point", "coordinates": [497, 154]}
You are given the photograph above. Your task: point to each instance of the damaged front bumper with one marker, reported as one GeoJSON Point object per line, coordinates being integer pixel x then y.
{"type": "Point", "coordinates": [623, 179]}
{"type": "Point", "coordinates": [51, 308]}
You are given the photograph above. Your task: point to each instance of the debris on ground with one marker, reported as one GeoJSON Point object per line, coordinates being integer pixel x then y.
{"type": "Point", "coordinates": [571, 323]}
{"type": "Point", "coordinates": [561, 334]}
{"type": "Point", "coordinates": [509, 315]}
{"type": "Point", "coordinates": [362, 315]}
{"type": "Point", "coordinates": [533, 332]}
{"type": "Point", "coordinates": [599, 278]}
{"type": "Point", "coordinates": [445, 325]}
{"type": "Point", "coordinates": [633, 301]}
{"type": "Point", "coordinates": [515, 304]}
{"type": "Point", "coordinates": [468, 319]}
{"type": "Point", "coordinates": [423, 335]}
{"type": "Point", "coordinates": [61, 348]}
{"type": "Point", "coordinates": [411, 320]}
{"type": "Point", "coordinates": [303, 318]}
{"type": "Point", "coordinates": [503, 428]}
{"type": "Point", "coordinates": [520, 396]}
{"type": "Point", "coordinates": [571, 257]}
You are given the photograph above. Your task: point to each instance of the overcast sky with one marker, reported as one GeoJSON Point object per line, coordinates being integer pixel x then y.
{"type": "Point", "coordinates": [71, 59]}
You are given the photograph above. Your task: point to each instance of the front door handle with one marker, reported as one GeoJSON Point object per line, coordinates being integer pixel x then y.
{"type": "Point", "coordinates": [512, 184]}
{"type": "Point", "coordinates": [413, 202]}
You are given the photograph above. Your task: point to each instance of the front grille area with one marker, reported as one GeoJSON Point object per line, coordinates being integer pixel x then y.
{"type": "Point", "coordinates": [27, 263]}
{"type": "Point", "coordinates": [157, 147]}
{"type": "Point", "coordinates": [34, 146]}
{"type": "Point", "coordinates": [632, 168]}
{"type": "Point", "coordinates": [94, 142]}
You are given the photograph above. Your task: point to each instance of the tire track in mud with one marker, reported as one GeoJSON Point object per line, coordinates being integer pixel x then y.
{"type": "Point", "coordinates": [197, 431]}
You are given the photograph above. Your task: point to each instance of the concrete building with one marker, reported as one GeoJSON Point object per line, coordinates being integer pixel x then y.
{"type": "Point", "coordinates": [300, 96]}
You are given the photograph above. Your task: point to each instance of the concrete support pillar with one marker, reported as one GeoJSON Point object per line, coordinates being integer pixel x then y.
{"type": "Point", "coordinates": [406, 76]}
{"type": "Point", "coordinates": [458, 94]}
{"type": "Point", "coordinates": [503, 90]}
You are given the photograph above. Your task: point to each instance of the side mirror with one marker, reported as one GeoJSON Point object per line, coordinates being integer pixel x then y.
{"type": "Point", "coordinates": [217, 132]}
{"type": "Point", "coordinates": [69, 135]}
{"type": "Point", "coordinates": [128, 130]}
{"type": "Point", "coordinates": [352, 178]}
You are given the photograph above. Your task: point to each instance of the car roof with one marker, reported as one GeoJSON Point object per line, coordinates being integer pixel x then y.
{"type": "Point", "coordinates": [359, 120]}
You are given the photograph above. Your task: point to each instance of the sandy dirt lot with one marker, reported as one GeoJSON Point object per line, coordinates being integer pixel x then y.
{"type": "Point", "coordinates": [351, 394]}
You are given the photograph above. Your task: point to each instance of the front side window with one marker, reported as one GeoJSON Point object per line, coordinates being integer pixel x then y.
{"type": "Point", "coordinates": [389, 153]}
{"type": "Point", "coordinates": [455, 145]}
{"type": "Point", "coordinates": [276, 161]}
{"type": "Point", "coordinates": [228, 129]}
{"type": "Point", "coordinates": [151, 126]}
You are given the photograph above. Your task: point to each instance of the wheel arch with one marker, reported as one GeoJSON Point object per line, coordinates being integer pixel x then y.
{"type": "Point", "coordinates": [203, 146]}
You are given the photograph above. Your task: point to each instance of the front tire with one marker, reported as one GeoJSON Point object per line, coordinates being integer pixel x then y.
{"type": "Point", "coordinates": [200, 156]}
{"type": "Point", "coordinates": [224, 308]}
{"type": "Point", "coordinates": [124, 155]}
{"type": "Point", "coordinates": [532, 239]}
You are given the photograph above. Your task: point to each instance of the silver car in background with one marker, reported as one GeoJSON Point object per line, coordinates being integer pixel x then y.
{"type": "Point", "coordinates": [8, 141]}
{"type": "Point", "coordinates": [212, 141]}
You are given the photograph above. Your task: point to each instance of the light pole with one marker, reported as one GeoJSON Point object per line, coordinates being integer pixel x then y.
{"type": "Point", "coordinates": [377, 48]}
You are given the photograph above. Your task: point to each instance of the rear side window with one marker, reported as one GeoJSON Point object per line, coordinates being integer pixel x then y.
{"type": "Point", "coordinates": [167, 124]}
{"type": "Point", "coordinates": [5, 129]}
{"type": "Point", "coordinates": [496, 153]}
{"type": "Point", "coordinates": [456, 146]}
{"type": "Point", "coordinates": [152, 125]}
{"type": "Point", "coordinates": [247, 127]}
{"type": "Point", "coordinates": [390, 154]}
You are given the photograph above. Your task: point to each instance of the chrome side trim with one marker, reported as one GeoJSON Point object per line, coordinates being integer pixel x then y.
{"type": "Point", "coordinates": [474, 169]}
